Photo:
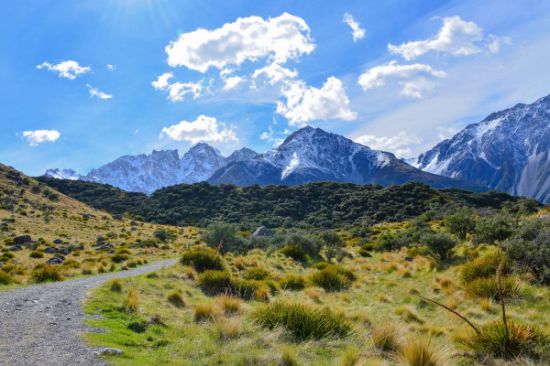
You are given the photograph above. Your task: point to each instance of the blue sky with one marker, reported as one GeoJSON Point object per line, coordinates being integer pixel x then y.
{"type": "Point", "coordinates": [83, 82]}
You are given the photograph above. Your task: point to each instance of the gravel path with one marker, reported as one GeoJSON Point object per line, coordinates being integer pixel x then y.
{"type": "Point", "coordinates": [42, 324]}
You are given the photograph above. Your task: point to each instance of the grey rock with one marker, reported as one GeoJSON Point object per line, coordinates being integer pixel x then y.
{"type": "Point", "coordinates": [50, 250]}
{"type": "Point", "coordinates": [55, 260]}
{"type": "Point", "coordinates": [22, 239]}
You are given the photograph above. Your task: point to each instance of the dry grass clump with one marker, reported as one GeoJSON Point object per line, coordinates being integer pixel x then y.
{"type": "Point", "coordinates": [292, 282]}
{"type": "Point", "coordinates": [408, 314]}
{"type": "Point", "coordinates": [350, 357]}
{"type": "Point", "coordinates": [386, 337]}
{"type": "Point", "coordinates": [256, 273]}
{"type": "Point", "coordinates": [262, 294]}
{"type": "Point", "coordinates": [481, 267]}
{"type": "Point", "coordinates": [175, 298]}
{"type": "Point", "coordinates": [486, 287]}
{"type": "Point", "coordinates": [5, 278]}
{"type": "Point", "coordinates": [214, 282]}
{"type": "Point", "coordinates": [229, 304]}
{"type": "Point", "coordinates": [202, 259]}
{"type": "Point", "coordinates": [204, 312]}
{"type": "Point", "coordinates": [302, 320]}
{"type": "Point", "coordinates": [228, 329]}
{"type": "Point", "coordinates": [116, 285]}
{"type": "Point", "coordinates": [419, 352]}
{"type": "Point", "coordinates": [46, 272]}
{"type": "Point", "coordinates": [288, 357]}
{"type": "Point", "coordinates": [511, 341]}
{"type": "Point", "coordinates": [313, 293]}
{"type": "Point", "coordinates": [132, 302]}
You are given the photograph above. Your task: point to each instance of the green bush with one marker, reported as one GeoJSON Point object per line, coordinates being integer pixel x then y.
{"type": "Point", "coordinates": [481, 267]}
{"type": "Point", "coordinates": [36, 254]}
{"type": "Point", "coordinates": [214, 282]}
{"type": "Point", "coordinates": [531, 255]}
{"type": "Point", "coordinates": [439, 243]}
{"type": "Point", "coordinates": [294, 252]}
{"type": "Point", "coordinates": [303, 321]}
{"type": "Point", "coordinates": [333, 278]}
{"type": "Point", "coordinates": [203, 259]}
{"type": "Point", "coordinates": [333, 244]}
{"type": "Point", "coordinates": [246, 289]}
{"type": "Point", "coordinates": [292, 282]}
{"type": "Point", "coordinates": [164, 235]}
{"type": "Point", "coordinates": [460, 223]}
{"type": "Point", "coordinates": [223, 237]}
{"type": "Point", "coordinates": [492, 229]}
{"type": "Point", "coordinates": [45, 272]}
{"type": "Point", "coordinates": [487, 287]}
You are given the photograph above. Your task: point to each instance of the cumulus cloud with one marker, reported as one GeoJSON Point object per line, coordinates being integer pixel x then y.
{"type": "Point", "coordinates": [273, 137]}
{"type": "Point", "coordinates": [274, 73]}
{"type": "Point", "coordinates": [456, 37]}
{"type": "Point", "coordinates": [96, 93]}
{"type": "Point", "coordinates": [177, 90]}
{"type": "Point", "coordinates": [356, 31]}
{"type": "Point", "coordinates": [414, 78]}
{"type": "Point", "coordinates": [66, 69]}
{"type": "Point", "coordinates": [305, 103]}
{"type": "Point", "coordinates": [398, 144]}
{"type": "Point", "coordinates": [203, 129]}
{"type": "Point", "coordinates": [278, 39]}
{"type": "Point", "coordinates": [37, 137]}
{"type": "Point", "coordinates": [232, 82]}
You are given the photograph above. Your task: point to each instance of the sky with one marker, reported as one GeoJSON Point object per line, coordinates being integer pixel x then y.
{"type": "Point", "coordinates": [84, 82]}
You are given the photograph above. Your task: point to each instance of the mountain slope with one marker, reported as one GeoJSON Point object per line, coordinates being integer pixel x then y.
{"type": "Point", "coordinates": [507, 151]}
{"type": "Point", "coordinates": [313, 155]}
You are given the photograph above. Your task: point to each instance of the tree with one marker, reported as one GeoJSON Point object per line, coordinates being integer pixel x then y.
{"type": "Point", "coordinates": [223, 237]}
{"type": "Point", "coordinates": [439, 243]}
{"type": "Point", "coordinates": [461, 223]}
{"type": "Point", "coordinates": [333, 244]}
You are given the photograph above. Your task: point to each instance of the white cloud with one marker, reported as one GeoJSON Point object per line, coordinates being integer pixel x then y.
{"type": "Point", "coordinates": [232, 82]}
{"type": "Point", "coordinates": [38, 137]}
{"type": "Point", "coordinates": [305, 103]}
{"type": "Point", "coordinates": [111, 67]}
{"type": "Point", "coordinates": [95, 92]}
{"type": "Point", "coordinates": [356, 31]}
{"type": "Point", "coordinates": [495, 43]}
{"type": "Point", "coordinates": [178, 90]}
{"type": "Point", "coordinates": [456, 37]}
{"type": "Point", "coordinates": [270, 136]}
{"type": "Point", "coordinates": [251, 38]}
{"type": "Point", "coordinates": [274, 73]}
{"type": "Point", "coordinates": [67, 69]}
{"type": "Point", "coordinates": [415, 78]}
{"type": "Point", "coordinates": [398, 144]}
{"type": "Point", "coordinates": [204, 128]}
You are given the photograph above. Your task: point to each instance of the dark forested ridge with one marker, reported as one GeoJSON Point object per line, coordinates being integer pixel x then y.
{"type": "Point", "coordinates": [315, 204]}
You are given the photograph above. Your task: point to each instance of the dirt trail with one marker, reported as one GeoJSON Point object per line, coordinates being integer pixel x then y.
{"type": "Point", "coordinates": [42, 324]}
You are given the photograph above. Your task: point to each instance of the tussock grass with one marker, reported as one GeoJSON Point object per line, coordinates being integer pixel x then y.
{"type": "Point", "coordinates": [46, 272]}
{"type": "Point", "coordinates": [202, 259]}
{"type": "Point", "coordinates": [132, 301]}
{"type": "Point", "coordinates": [229, 304]}
{"type": "Point", "coordinates": [204, 312]}
{"type": "Point", "coordinates": [214, 282]}
{"type": "Point", "coordinates": [386, 338]}
{"type": "Point", "coordinates": [228, 329]}
{"type": "Point", "coordinates": [116, 285]}
{"type": "Point", "coordinates": [333, 278]}
{"type": "Point", "coordinates": [303, 321]}
{"type": "Point", "coordinates": [5, 278]}
{"type": "Point", "coordinates": [486, 287]}
{"type": "Point", "coordinates": [420, 352]}
{"type": "Point", "coordinates": [175, 298]}
{"type": "Point", "coordinates": [292, 282]}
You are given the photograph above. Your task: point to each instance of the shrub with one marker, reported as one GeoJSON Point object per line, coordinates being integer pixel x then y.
{"type": "Point", "coordinates": [419, 352]}
{"type": "Point", "coordinates": [333, 278]}
{"type": "Point", "coordinates": [256, 273]}
{"type": "Point", "coordinates": [36, 254]}
{"type": "Point", "coordinates": [385, 337]}
{"type": "Point", "coordinates": [246, 289]}
{"type": "Point", "coordinates": [461, 223]}
{"type": "Point", "coordinates": [5, 278]}
{"type": "Point", "coordinates": [439, 243]}
{"type": "Point", "coordinates": [132, 301]}
{"type": "Point", "coordinates": [294, 252]}
{"type": "Point", "coordinates": [176, 299]}
{"type": "Point", "coordinates": [531, 255]}
{"type": "Point", "coordinates": [223, 237]}
{"type": "Point", "coordinates": [138, 327]}
{"type": "Point", "coordinates": [214, 282]}
{"type": "Point", "coordinates": [164, 235]}
{"type": "Point", "coordinates": [204, 312]}
{"type": "Point", "coordinates": [301, 320]}
{"type": "Point", "coordinates": [202, 259]}
{"type": "Point", "coordinates": [333, 244]}
{"type": "Point", "coordinates": [45, 272]}
{"type": "Point", "coordinates": [487, 287]}
{"type": "Point", "coordinates": [292, 282]}
{"type": "Point", "coordinates": [496, 340]}
{"type": "Point", "coordinates": [116, 286]}
{"type": "Point", "coordinates": [492, 229]}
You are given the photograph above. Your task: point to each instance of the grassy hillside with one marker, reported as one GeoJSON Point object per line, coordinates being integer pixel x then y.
{"type": "Point", "coordinates": [365, 305]}
{"type": "Point", "coordinates": [86, 240]}
{"type": "Point", "coordinates": [328, 205]}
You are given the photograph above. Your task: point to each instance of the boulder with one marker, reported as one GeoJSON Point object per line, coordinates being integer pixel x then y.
{"type": "Point", "coordinates": [262, 232]}
{"type": "Point", "coordinates": [50, 250]}
{"type": "Point", "coordinates": [55, 260]}
{"type": "Point", "coordinates": [16, 248]}
{"type": "Point", "coordinates": [23, 239]}
{"type": "Point", "coordinates": [58, 241]}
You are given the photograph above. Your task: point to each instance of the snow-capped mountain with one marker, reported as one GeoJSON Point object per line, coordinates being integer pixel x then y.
{"type": "Point", "coordinates": [507, 151]}
{"type": "Point", "coordinates": [62, 174]}
{"type": "Point", "coordinates": [140, 173]}
{"type": "Point", "coordinates": [313, 155]}
{"type": "Point", "coordinates": [200, 162]}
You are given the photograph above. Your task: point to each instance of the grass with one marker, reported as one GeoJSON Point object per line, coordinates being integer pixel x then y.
{"type": "Point", "coordinates": [420, 352]}
{"type": "Point", "coordinates": [202, 259]}
{"type": "Point", "coordinates": [183, 341]}
{"type": "Point", "coordinates": [302, 321]}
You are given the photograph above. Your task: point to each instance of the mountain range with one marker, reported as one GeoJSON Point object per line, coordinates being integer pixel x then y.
{"type": "Point", "coordinates": [508, 151]}
{"type": "Point", "coordinates": [308, 155]}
